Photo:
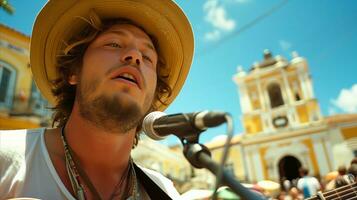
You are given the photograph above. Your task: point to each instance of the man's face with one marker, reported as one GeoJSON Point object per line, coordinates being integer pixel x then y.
{"type": "Point", "coordinates": [117, 82]}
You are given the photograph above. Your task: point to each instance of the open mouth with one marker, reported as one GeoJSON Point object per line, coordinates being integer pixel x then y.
{"type": "Point", "coordinates": [129, 74]}
{"type": "Point", "coordinates": [128, 77]}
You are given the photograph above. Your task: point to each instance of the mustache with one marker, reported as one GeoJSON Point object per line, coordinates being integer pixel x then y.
{"type": "Point", "coordinates": [116, 67]}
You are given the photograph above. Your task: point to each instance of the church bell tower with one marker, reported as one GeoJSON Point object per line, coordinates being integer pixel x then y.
{"type": "Point", "coordinates": [276, 94]}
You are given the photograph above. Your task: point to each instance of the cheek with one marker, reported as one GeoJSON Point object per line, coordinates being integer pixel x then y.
{"type": "Point", "coordinates": [95, 63]}
{"type": "Point", "coordinates": [152, 80]}
{"type": "Point", "coordinates": [92, 71]}
{"type": "Point", "coordinates": [88, 62]}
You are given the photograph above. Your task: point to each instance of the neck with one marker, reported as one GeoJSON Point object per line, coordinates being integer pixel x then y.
{"type": "Point", "coordinates": [96, 148]}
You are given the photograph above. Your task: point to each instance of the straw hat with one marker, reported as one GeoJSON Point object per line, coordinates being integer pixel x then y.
{"type": "Point", "coordinates": [58, 21]}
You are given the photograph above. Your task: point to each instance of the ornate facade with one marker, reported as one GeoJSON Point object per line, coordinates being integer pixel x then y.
{"type": "Point", "coordinates": [283, 125]}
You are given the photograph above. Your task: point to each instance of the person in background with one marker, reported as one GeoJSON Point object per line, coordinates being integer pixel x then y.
{"type": "Point", "coordinates": [295, 194]}
{"type": "Point", "coordinates": [308, 185]}
{"type": "Point", "coordinates": [340, 180]}
{"type": "Point", "coordinates": [281, 196]}
{"type": "Point", "coordinates": [352, 170]}
{"type": "Point", "coordinates": [286, 184]}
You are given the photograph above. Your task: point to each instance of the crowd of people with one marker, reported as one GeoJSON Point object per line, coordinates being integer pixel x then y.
{"type": "Point", "coordinates": [308, 186]}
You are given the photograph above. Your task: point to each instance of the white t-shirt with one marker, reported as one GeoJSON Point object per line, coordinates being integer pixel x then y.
{"type": "Point", "coordinates": [26, 169]}
{"type": "Point", "coordinates": [308, 185]}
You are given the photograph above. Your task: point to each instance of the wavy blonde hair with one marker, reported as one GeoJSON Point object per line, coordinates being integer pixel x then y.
{"type": "Point", "coordinates": [70, 62]}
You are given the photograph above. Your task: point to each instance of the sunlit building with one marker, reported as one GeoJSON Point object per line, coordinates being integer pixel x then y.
{"type": "Point", "coordinates": [21, 105]}
{"type": "Point", "coordinates": [168, 161]}
{"type": "Point", "coordinates": [283, 125]}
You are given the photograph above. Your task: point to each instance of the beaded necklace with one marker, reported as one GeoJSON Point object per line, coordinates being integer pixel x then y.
{"type": "Point", "coordinates": [76, 173]}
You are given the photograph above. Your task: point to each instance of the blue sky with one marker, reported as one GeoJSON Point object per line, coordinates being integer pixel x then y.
{"type": "Point", "coordinates": [322, 31]}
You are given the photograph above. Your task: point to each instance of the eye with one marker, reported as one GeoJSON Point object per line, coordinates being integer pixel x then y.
{"type": "Point", "coordinates": [113, 44]}
{"type": "Point", "coordinates": [147, 58]}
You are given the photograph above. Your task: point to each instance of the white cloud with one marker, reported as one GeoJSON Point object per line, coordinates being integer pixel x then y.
{"type": "Point", "coordinates": [285, 45]}
{"type": "Point", "coordinates": [216, 15]}
{"type": "Point", "coordinates": [213, 35]}
{"type": "Point", "coordinates": [347, 100]}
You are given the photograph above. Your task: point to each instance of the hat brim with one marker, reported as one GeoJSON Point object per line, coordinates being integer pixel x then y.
{"type": "Point", "coordinates": [58, 21]}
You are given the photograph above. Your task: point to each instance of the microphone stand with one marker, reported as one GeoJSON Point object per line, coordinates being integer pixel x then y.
{"type": "Point", "coordinates": [200, 157]}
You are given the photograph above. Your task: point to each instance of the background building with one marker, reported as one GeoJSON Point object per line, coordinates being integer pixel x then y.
{"type": "Point", "coordinates": [284, 128]}
{"type": "Point", "coordinates": [168, 161]}
{"type": "Point", "coordinates": [21, 105]}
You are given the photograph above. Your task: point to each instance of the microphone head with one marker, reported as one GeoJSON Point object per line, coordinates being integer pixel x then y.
{"type": "Point", "coordinates": [148, 125]}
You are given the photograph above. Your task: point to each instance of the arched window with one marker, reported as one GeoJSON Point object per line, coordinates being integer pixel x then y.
{"type": "Point", "coordinates": [276, 99]}
{"type": "Point", "coordinates": [7, 84]}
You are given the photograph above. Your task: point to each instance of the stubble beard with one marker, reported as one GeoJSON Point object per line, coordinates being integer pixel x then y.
{"type": "Point", "coordinates": [113, 114]}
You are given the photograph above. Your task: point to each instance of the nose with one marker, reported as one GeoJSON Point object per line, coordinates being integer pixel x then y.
{"type": "Point", "coordinates": [132, 56]}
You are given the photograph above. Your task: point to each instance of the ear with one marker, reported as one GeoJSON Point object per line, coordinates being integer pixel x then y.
{"type": "Point", "coordinates": [73, 79]}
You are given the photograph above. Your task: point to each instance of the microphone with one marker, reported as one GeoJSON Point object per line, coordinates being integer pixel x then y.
{"type": "Point", "coordinates": [157, 125]}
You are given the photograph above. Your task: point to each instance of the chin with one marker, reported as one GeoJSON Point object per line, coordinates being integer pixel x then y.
{"type": "Point", "coordinates": [127, 99]}
{"type": "Point", "coordinates": [116, 112]}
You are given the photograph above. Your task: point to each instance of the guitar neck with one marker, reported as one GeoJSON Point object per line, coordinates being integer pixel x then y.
{"type": "Point", "coordinates": [347, 192]}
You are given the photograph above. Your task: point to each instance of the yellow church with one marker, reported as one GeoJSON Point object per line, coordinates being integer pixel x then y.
{"type": "Point", "coordinates": [283, 125]}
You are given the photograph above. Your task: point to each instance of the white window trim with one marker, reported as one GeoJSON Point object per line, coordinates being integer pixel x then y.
{"type": "Point", "coordinates": [11, 87]}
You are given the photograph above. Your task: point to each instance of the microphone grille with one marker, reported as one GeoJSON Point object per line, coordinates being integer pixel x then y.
{"type": "Point", "coordinates": [148, 125]}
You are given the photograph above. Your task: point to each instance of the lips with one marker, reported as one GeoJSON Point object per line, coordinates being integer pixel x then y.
{"type": "Point", "coordinates": [128, 73]}
{"type": "Point", "coordinates": [128, 77]}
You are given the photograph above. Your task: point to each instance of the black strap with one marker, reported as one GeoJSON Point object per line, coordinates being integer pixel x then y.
{"type": "Point", "coordinates": [153, 190]}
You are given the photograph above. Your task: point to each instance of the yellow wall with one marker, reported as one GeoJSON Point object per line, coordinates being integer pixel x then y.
{"type": "Point", "coordinates": [291, 69]}
{"type": "Point", "coordinates": [18, 60]}
{"type": "Point", "coordinates": [312, 155]}
{"type": "Point", "coordinates": [15, 52]}
{"type": "Point", "coordinates": [262, 152]}
{"type": "Point", "coordinates": [303, 114]}
{"type": "Point", "coordinates": [306, 110]}
{"type": "Point", "coordinates": [252, 124]}
{"type": "Point", "coordinates": [23, 72]}
{"type": "Point", "coordinates": [313, 106]}
{"type": "Point", "coordinates": [234, 157]}
{"type": "Point", "coordinates": [252, 90]}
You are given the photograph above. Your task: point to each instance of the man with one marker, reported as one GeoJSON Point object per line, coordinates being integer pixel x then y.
{"type": "Point", "coordinates": [308, 185]}
{"type": "Point", "coordinates": [340, 180]}
{"type": "Point", "coordinates": [104, 65]}
{"type": "Point", "coordinates": [352, 170]}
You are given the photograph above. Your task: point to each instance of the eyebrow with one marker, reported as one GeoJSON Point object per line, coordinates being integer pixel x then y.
{"type": "Point", "coordinates": [118, 32]}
